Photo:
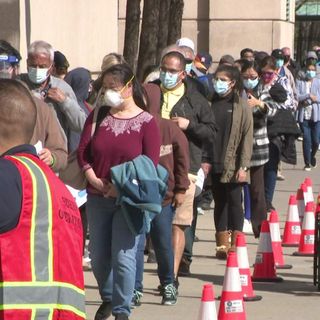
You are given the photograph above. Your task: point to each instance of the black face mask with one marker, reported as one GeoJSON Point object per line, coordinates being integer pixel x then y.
{"type": "Point", "coordinates": [286, 59]}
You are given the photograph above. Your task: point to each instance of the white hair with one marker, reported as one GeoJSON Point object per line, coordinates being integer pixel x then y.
{"type": "Point", "coordinates": [41, 47]}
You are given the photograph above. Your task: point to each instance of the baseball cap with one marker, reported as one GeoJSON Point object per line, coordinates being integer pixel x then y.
{"type": "Point", "coordinates": [278, 54]}
{"type": "Point", "coordinates": [312, 54]}
{"type": "Point", "coordinates": [60, 60]}
{"type": "Point", "coordinates": [185, 42]}
{"type": "Point", "coordinates": [203, 60]}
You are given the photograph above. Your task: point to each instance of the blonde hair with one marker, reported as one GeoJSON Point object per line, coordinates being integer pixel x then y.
{"type": "Point", "coordinates": [110, 60]}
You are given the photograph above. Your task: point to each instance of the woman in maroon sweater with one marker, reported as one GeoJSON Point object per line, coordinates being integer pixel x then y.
{"type": "Point", "coordinates": [125, 132]}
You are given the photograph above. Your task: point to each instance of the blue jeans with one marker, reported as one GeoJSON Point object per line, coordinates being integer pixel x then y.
{"type": "Point", "coordinates": [112, 248]}
{"type": "Point", "coordinates": [161, 237]}
{"type": "Point", "coordinates": [311, 133]}
{"type": "Point", "coordinates": [270, 172]}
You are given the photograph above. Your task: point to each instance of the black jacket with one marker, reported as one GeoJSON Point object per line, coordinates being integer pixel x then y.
{"type": "Point", "coordinates": [202, 128]}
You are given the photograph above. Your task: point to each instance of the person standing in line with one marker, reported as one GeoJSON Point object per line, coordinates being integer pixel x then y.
{"type": "Point", "coordinates": [47, 129]}
{"type": "Point", "coordinates": [53, 91]}
{"type": "Point", "coordinates": [174, 156]}
{"type": "Point", "coordinates": [262, 106]}
{"type": "Point", "coordinates": [130, 132]}
{"type": "Point", "coordinates": [189, 110]}
{"type": "Point", "coordinates": [308, 115]}
{"type": "Point", "coordinates": [40, 228]}
{"type": "Point", "coordinates": [230, 157]}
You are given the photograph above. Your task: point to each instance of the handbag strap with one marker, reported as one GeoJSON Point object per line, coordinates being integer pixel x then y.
{"type": "Point", "coordinates": [94, 120]}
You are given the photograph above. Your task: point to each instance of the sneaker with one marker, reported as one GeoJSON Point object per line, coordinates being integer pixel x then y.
{"type": "Point", "coordinates": [136, 299]}
{"type": "Point", "coordinates": [207, 206]}
{"type": "Point", "coordinates": [247, 227]}
{"type": "Point", "coordinates": [314, 162]}
{"type": "Point", "coordinates": [200, 211]}
{"type": "Point", "coordinates": [104, 311]}
{"type": "Point", "coordinates": [121, 316]}
{"type": "Point", "coordinates": [176, 284]}
{"type": "Point", "coordinates": [307, 168]}
{"type": "Point", "coordinates": [169, 297]}
{"type": "Point", "coordinates": [280, 177]}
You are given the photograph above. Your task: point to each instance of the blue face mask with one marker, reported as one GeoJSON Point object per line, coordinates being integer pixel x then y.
{"type": "Point", "coordinates": [279, 63]}
{"type": "Point", "coordinates": [250, 84]}
{"type": "Point", "coordinates": [169, 80]}
{"type": "Point", "coordinates": [221, 87]}
{"type": "Point", "coordinates": [310, 74]}
{"type": "Point", "coordinates": [188, 67]}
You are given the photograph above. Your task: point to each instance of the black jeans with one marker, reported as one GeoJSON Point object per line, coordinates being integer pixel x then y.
{"type": "Point", "coordinates": [257, 198]}
{"type": "Point", "coordinates": [228, 210]}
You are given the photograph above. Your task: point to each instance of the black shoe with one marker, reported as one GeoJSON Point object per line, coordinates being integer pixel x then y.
{"type": "Point", "coordinates": [184, 268]}
{"type": "Point", "coordinates": [314, 162]}
{"type": "Point", "coordinates": [169, 297]}
{"type": "Point", "coordinates": [136, 299]}
{"type": "Point", "coordinates": [104, 311]}
{"type": "Point", "coordinates": [151, 257]}
{"type": "Point", "coordinates": [121, 316]}
{"type": "Point", "coordinates": [270, 207]}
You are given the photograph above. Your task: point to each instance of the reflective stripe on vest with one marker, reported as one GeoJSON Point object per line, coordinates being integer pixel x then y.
{"type": "Point", "coordinates": [41, 294]}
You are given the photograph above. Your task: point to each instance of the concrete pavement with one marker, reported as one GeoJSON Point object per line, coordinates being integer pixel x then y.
{"type": "Point", "coordinates": [294, 298]}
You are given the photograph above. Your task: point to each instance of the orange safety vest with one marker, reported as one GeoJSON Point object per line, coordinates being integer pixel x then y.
{"type": "Point", "coordinates": [41, 258]}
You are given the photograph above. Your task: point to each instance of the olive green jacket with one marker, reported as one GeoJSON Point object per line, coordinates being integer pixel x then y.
{"type": "Point", "coordinates": [239, 148]}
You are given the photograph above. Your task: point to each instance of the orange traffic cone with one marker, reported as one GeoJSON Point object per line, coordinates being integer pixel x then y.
{"type": "Point", "coordinates": [276, 241]}
{"type": "Point", "coordinates": [264, 267]}
{"type": "Point", "coordinates": [231, 303]}
{"type": "Point", "coordinates": [208, 307]}
{"type": "Point", "coordinates": [292, 228]}
{"type": "Point", "coordinates": [306, 245]}
{"type": "Point", "coordinates": [308, 183]}
{"type": "Point", "coordinates": [244, 269]}
{"type": "Point", "coordinates": [301, 192]}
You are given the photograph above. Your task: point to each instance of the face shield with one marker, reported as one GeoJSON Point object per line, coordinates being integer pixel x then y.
{"type": "Point", "coordinates": [6, 67]}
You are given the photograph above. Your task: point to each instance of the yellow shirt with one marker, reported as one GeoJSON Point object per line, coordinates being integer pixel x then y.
{"type": "Point", "coordinates": [170, 98]}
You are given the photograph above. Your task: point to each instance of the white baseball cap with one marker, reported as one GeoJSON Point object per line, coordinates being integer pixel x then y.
{"type": "Point", "coordinates": [185, 42]}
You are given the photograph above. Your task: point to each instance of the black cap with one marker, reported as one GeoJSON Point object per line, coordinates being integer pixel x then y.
{"type": "Point", "coordinates": [278, 54]}
{"type": "Point", "coordinates": [60, 60]}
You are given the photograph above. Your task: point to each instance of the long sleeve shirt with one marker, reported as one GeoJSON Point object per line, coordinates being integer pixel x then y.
{"type": "Point", "coordinates": [116, 141]}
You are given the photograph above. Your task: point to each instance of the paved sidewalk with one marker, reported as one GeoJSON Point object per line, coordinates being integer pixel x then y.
{"type": "Point", "coordinates": [294, 298]}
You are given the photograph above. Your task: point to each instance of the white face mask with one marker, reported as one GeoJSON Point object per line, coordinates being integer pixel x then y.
{"type": "Point", "coordinates": [38, 75]}
{"type": "Point", "coordinates": [113, 98]}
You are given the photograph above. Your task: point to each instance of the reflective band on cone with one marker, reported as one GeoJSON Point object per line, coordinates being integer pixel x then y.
{"type": "Point", "coordinates": [306, 245]}
{"type": "Point", "coordinates": [264, 267]}
{"type": "Point", "coordinates": [276, 241]}
{"type": "Point", "coordinates": [208, 307]}
{"type": "Point", "coordinates": [292, 228]}
{"type": "Point", "coordinates": [244, 269]}
{"type": "Point", "coordinates": [231, 303]}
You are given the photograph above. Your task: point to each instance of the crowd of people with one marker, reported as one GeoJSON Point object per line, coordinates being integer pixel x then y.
{"type": "Point", "coordinates": [152, 152]}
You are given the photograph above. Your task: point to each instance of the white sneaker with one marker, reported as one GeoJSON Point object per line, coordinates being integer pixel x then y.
{"type": "Point", "coordinates": [200, 211]}
{"type": "Point", "coordinates": [247, 227]}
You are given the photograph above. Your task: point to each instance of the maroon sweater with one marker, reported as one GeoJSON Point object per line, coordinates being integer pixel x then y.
{"type": "Point", "coordinates": [117, 141]}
